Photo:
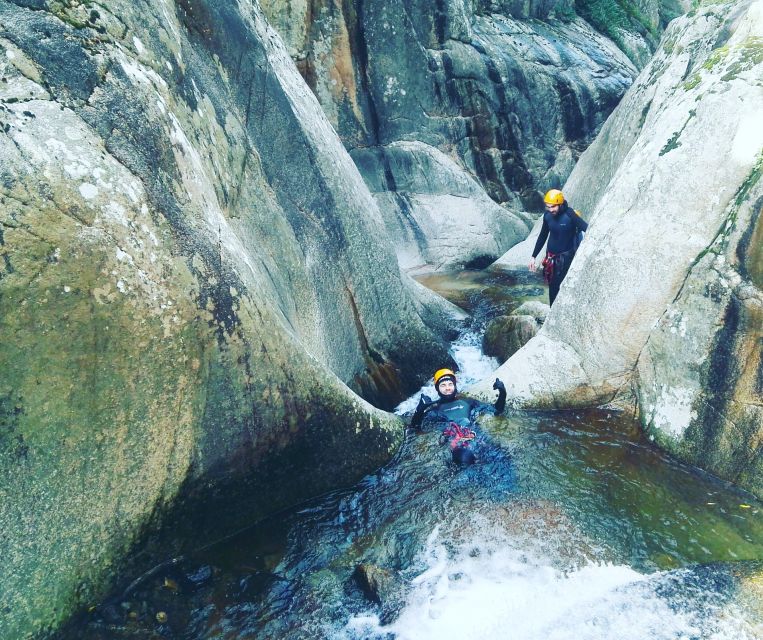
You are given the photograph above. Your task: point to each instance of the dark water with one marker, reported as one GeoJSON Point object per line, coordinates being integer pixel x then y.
{"type": "Point", "coordinates": [487, 294]}
{"type": "Point", "coordinates": [570, 525]}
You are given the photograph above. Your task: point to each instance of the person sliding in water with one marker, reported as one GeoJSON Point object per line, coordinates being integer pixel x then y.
{"type": "Point", "coordinates": [564, 228]}
{"type": "Point", "coordinates": [458, 414]}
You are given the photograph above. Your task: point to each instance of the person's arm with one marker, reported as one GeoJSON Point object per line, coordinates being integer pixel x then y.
{"type": "Point", "coordinates": [500, 403]}
{"type": "Point", "coordinates": [496, 408]}
{"type": "Point", "coordinates": [539, 243]}
{"type": "Point", "coordinates": [580, 224]}
{"type": "Point", "coordinates": [421, 408]}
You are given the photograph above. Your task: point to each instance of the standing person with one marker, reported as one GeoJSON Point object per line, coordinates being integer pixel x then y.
{"type": "Point", "coordinates": [456, 413]}
{"type": "Point", "coordinates": [564, 229]}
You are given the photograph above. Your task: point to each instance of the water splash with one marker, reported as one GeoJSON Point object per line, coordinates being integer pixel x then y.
{"type": "Point", "coordinates": [473, 365]}
{"type": "Point", "coordinates": [495, 586]}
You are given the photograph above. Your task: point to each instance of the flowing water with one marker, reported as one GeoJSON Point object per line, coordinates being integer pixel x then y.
{"type": "Point", "coordinates": [571, 525]}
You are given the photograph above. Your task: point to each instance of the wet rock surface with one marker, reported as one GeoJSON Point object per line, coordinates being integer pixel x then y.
{"type": "Point", "coordinates": [573, 501]}
{"type": "Point", "coordinates": [535, 309]}
{"type": "Point", "coordinates": [195, 279]}
{"type": "Point", "coordinates": [383, 587]}
{"type": "Point", "coordinates": [375, 582]}
{"type": "Point", "coordinates": [194, 284]}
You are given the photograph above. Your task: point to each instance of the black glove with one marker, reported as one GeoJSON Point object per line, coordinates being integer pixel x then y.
{"type": "Point", "coordinates": [498, 384]}
{"type": "Point", "coordinates": [418, 415]}
{"type": "Point", "coordinates": [424, 400]}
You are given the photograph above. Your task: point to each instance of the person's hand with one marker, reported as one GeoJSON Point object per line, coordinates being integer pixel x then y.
{"type": "Point", "coordinates": [531, 266]}
{"type": "Point", "coordinates": [498, 385]}
{"type": "Point", "coordinates": [424, 400]}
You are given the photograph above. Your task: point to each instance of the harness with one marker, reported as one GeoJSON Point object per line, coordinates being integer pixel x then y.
{"type": "Point", "coordinates": [548, 266]}
{"type": "Point", "coordinates": [460, 436]}
{"type": "Point", "coordinates": [551, 261]}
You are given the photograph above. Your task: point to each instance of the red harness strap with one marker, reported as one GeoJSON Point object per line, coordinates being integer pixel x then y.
{"type": "Point", "coordinates": [461, 436]}
{"type": "Point", "coordinates": [548, 266]}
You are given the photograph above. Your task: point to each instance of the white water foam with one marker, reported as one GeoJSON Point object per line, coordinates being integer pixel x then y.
{"type": "Point", "coordinates": [493, 589]}
{"type": "Point", "coordinates": [473, 365]}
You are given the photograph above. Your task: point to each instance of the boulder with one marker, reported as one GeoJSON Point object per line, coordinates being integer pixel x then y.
{"type": "Point", "coordinates": [194, 284]}
{"type": "Point", "coordinates": [437, 214]}
{"type": "Point", "coordinates": [378, 584]}
{"type": "Point", "coordinates": [534, 308]}
{"type": "Point", "coordinates": [664, 297]}
{"type": "Point", "coordinates": [505, 335]}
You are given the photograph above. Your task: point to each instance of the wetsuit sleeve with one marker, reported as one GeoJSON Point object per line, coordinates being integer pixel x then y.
{"type": "Point", "coordinates": [496, 408]}
{"type": "Point", "coordinates": [418, 415]}
{"type": "Point", "coordinates": [500, 403]}
{"type": "Point", "coordinates": [541, 238]}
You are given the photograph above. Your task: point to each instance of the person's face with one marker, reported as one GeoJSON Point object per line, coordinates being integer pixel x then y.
{"type": "Point", "coordinates": [447, 387]}
{"type": "Point", "coordinates": [553, 209]}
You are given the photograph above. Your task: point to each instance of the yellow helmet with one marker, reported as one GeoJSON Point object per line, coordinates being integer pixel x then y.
{"type": "Point", "coordinates": [443, 373]}
{"type": "Point", "coordinates": [554, 197]}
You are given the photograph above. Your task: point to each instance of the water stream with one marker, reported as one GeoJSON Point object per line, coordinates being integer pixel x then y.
{"type": "Point", "coordinates": [571, 525]}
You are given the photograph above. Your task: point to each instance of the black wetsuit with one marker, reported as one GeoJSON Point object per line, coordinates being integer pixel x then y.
{"type": "Point", "coordinates": [462, 412]}
{"type": "Point", "coordinates": [562, 231]}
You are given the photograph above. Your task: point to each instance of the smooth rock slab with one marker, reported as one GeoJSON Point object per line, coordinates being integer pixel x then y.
{"type": "Point", "coordinates": [663, 299]}
{"type": "Point", "coordinates": [194, 282]}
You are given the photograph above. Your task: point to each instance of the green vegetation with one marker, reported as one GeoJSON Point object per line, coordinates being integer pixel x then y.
{"type": "Point", "coordinates": [673, 142]}
{"type": "Point", "coordinates": [669, 10]}
{"type": "Point", "coordinates": [635, 13]}
{"type": "Point", "coordinates": [692, 82]}
{"type": "Point", "coordinates": [737, 59]}
{"type": "Point", "coordinates": [752, 179]}
{"type": "Point", "coordinates": [607, 16]}
{"type": "Point", "coordinates": [718, 243]}
{"type": "Point", "coordinates": [610, 17]}
{"type": "Point", "coordinates": [749, 54]}
{"type": "Point", "coordinates": [78, 14]}
{"type": "Point", "coordinates": [715, 57]}
{"type": "Point", "coordinates": [644, 114]}
{"type": "Point", "coordinates": [565, 13]}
